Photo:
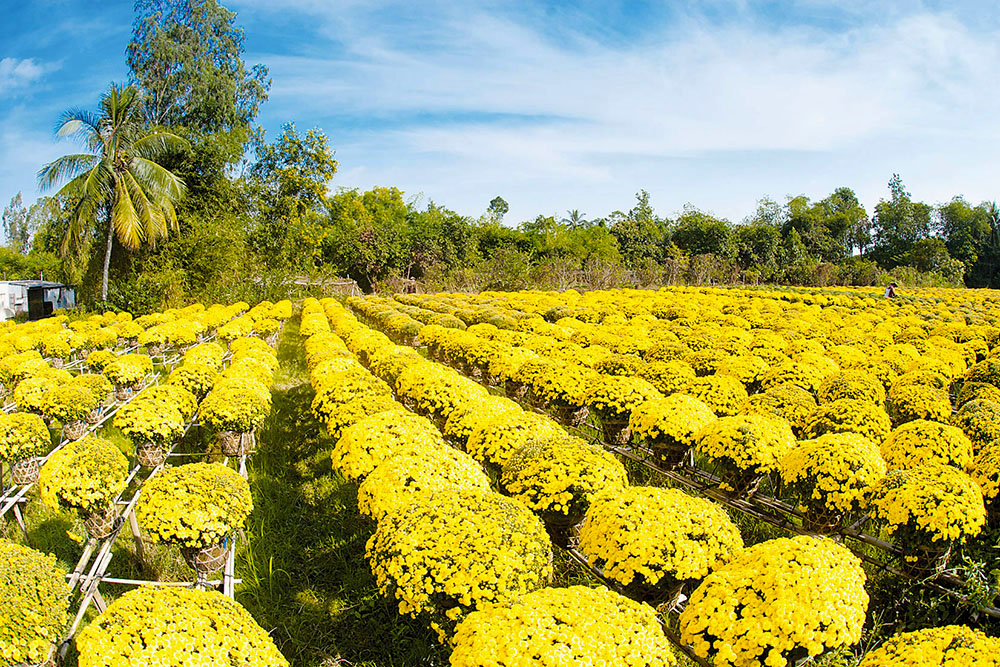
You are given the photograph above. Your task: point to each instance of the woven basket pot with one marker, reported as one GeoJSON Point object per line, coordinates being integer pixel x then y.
{"type": "Point", "coordinates": [57, 362]}
{"type": "Point", "coordinates": [564, 531]}
{"type": "Point", "coordinates": [123, 393]}
{"type": "Point", "coordinates": [25, 471]}
{"type": "Point", "coordinates": [740, 483]}
{"type": "Point", "coordinates": [149, 454]}
{"type": "Point", "coordinates": [928, 561]}
{"type": "Point", "coordinates": [570, 415]}
{"type": "Point", "coordinates": [101, 524]}
{"type": "Point", "coordinates": [669, 452]}
{"type": "Point", "coordinates": [234, 443]}
{"type": "Point", "coordinates": [616, 432]}
{"type": "Point", "coordinates": [76, 430]}
{"type": "Point", "coordinates": [94, 415]}
{"type": "Point", "coordinates": [822, 521]}
{"type": "Point", "coordinates": [154, 350]}
{"type": "Point", "coordinates": [206, 560]}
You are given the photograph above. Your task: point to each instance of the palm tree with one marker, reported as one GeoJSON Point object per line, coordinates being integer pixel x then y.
{"type": "Point", "coordinates": [575, 219]}
{"type": "Point", "coordinates": [118, 177]}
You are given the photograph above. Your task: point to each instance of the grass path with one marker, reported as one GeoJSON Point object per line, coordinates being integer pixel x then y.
{"type": "Point", "coordinates": [305, 578]}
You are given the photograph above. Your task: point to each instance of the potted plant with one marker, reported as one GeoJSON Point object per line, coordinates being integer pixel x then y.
{"type": "Point", "coordinates": [612, 398]}
{"type": "Point", "coordinates": [86, 476]}
{"type": "Point", "coordinates": [102, 391]}
{"type": "Point", "coordinates": [23, 437]}
{"type": "Point", "coordinates": [197, 507]}
{"type": "Point", "coordinates": [35, 597]}
{"type": "Point", "coordinates": [127, 372]}
{"type": "Point", "coordinates": [744, 449]}
{"type": "Point", "coordinates": [234, 410]}
{"type": "Point", "coordinates": [151, 426]}
{"type": "Point", "coordinates": [668, 426]}
{"type": "Point", "coordinates": [69, 404]}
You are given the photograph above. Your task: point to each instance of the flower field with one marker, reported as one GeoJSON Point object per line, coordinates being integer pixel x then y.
{"type": "Point", "coordinates": [627, 477]}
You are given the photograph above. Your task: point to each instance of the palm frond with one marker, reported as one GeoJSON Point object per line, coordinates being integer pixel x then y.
{"type": "Point", "coordinates": [91, 189]}
{"type": "Point", "coordinates": [128, 227]}
{"type": "Point", "coordinates": [157, 181]}
{"type": "Point", "coordinates": [83, 123]}
{"type": "Point", "coordinates": [152, 219]}
{"type": "Point", "coordinates": [65, 167]}
{"type": "Point", "coordinates": [155, 144]}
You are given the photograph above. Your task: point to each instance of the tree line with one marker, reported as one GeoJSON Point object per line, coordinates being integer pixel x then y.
{"type": "Point", "coordinates": [177, 195]}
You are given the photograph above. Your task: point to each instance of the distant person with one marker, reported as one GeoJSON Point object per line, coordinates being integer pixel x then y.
{"type": "Point", "coordinates": [890, 291]}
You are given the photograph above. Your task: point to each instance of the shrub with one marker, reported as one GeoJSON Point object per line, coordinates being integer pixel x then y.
{"type": "Point", "coordinates": [496, 438]}
{"type": "Point", "coordinates": [236, 407]}
{"type": "Point", "coordinates": [749, 443]}
{"type": "Point", "coordinates": [724, 394]}
{"type": "Point", "coordinates": [614, 397]}
{"type": "Point", "coordinates": [194, 505]}
{"type": "Point", "coordinates": [23, 435]}
{"type": "Point", "coordinates": [846, 415]}
{"type": "Point", "coordinates": [853, 384]}
{"type": "Point", "coordinates": [150, 421]}
{"type": "Point", "coordinates": [153, 625]}
{"type": "Point", "coordinates": [910, 402]}
{"type": "Point", "coordinates": [98, 385]}
{"type": "Point", "coordinates": [445, 556]}
{"type": "Point", "coordinates": [951, 645]}
{"type": "Point", "coordinates": [776, 602]}
{"type": "Point", "coordinates": [648, 537]}
{"type": "Point", "coordinates": [558, 478]}
{"type": "Point", "coordinates": [836, 473]}
{"type": "Point", "coordinates": [670, 423]}
{"type": "Point", "coordinates": [920, 441]}
{"type": "Point", "coordinates": [68, 403]}
{"type": "Point", "coordinates": [128, 370]}
{"type": "Point", "coordinates": [581, 626]}
{"type": "Point", "coordinates": [85, 475]}
{"type": "Point", "coordinates": [35, 600]}
{"type": "Point", "coordinates": [363, 446]}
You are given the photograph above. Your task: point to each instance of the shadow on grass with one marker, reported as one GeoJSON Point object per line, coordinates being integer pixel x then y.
{"type": "Point", "coordinates": [305, 578]}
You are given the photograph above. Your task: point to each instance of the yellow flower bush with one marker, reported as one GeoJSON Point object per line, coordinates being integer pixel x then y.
{"type": "Point", "coordinates": [835, 473]}
{"type": "Point", "coordinates": [667, 377]}
{"type": "Point", "coordinates": [652, 538]}
{"type": "Point", "coordinates": [348, 385]}
{"type": "Point", "coordinates": [23, 435]}
{"type": "Point", "coordinates": [788, 401]}
{"type": "Point", "coordinates": [194, 505]}
{"type": "Point", "coordinates": [207, 354]}
{"type": "Point", "coordinates": [150, 421]}
{"type": "Point", "coordinates": [195, 378]}
{"type": "Point", "coordinates": [724, 394]}
{"type": "Point", "coordinates": [180, 627]}
{"type": "Point", "coordinates": [436, 391]}
{"type": "Point", "coordinates": [971, 391]}
{"type": "Point", "coordinates": [985, 471]}
{"type": "Point", "coordinates": [496, 438]}
{"type": "Point", "coordinates": [948, 646]}
{"type": "Point", "coordinates": [980, 420]}
{"type": "Point", "coordinates": [68, 403]}
{"type": "Point", "coordinates": [353, 411]}
{"type": "Point", "coordinates": [777, 601]}
{"type": "Point", "coordinates": [464, 419]}
{"type": "Point", "coordinates": [395, 481]}
{"type": "Point", "coordinates": [29, 395]}
{"type": "Point", "coordinates": [240, 407]}
{"type": "Point", "coordinates": [586, 627]}
{"type": "Point", "coordinates": [921, 441]}
{"type": "Point", "coordinates": [558, 478]}
{"type": "Point", "coordinates": [749, 443]}
{"type": "Point", "coordinates": [804, 375]}
{"type": "Point", "coordinates": [669, 425]}
{"type": "Point", "coordinates": [97, 384]}
{"type": "Point", "coordinates": [847, 415]}
{"type": "Point", "coordinates": [613, 397]}
{"type": "Point", "coordinates": [446, 555]}
{"type": "Point", "coordinates": [987, 370]}
{"type": "Point", "coordinates": [915, 401]}
{"type": "Point", "coordinates": [35, 598]}
{"type": "Point", "coordinates": [128, 370]}
{"type": "Point", "coordinates": [85, 475]}
{"type": "Point", "coordinates": [363, 446]}
{"type": "Point", "coordinates": [853, 384]}
{"type": "Point", "coordinates": [98, 359]}
{"type": "Point", "coordinates": [928, 504]}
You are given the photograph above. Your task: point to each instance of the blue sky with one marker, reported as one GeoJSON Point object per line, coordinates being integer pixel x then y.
{"type": "Point", "coordinates": [563, 105]}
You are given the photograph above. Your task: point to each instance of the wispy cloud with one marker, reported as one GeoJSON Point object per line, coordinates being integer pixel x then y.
{"type": "Point", "coordinates": [688, 90]}
{"type": "Point", "coordinates": [18, 73]}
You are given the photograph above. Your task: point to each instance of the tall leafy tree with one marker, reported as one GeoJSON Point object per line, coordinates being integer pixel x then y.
{"type": "Point", "coordinates": [15, 225]}
{"type": "Point", "coordinates": [118, 179]}
{"type": "Point", "coordinates": [186, 57]}
{"type": "Point", "coordinates": [899, 223]}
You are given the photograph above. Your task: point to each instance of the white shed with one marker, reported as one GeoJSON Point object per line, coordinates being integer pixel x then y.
{"type": "Point", "coordinates": [37, 298]}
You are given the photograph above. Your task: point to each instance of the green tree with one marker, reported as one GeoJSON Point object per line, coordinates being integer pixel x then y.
{"type": "Point", "coordinates": [498, 208]}
{"type": "Point", "coordinates": [290, 180]}
{"type": "Point", "coordinates": [365, 234]}
{"type": "Point", "coordinates": [899, 223]}
{"type": "Point", "coordinates": [575, 219]}
{"type": "Point", "coordinates": [118, 179]}
{"type": "Point", "coordinates": [640, 233]}
{"type": "Point", "coordinates": [186, 58]}
{"type": "Point", "coordinates": [700, 233]}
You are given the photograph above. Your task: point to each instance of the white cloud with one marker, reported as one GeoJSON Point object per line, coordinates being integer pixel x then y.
{"type": "Point", "coordinates": [693, 111]}
{"type": "Point", "coordinates": [18, 73]}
